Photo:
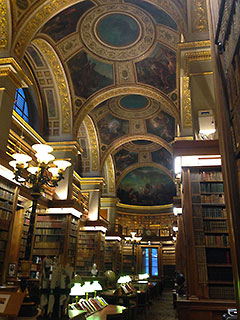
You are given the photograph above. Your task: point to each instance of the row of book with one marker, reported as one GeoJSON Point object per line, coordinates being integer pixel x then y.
{"type": "Point", "coordinates": [51, 218]}
{"type": "Point", "coordinates": [211, 187]}
{"type": "Point", "coordinates": [5, 205]}
{"type": "Point", "coordinates": [205, 175]}
{"type": "Point", "coordinates": [213, 212]}
{"type": "Point", "coordinates": [213, 198]}
{"type": "Point", "coordinates": [50, 232]}
{"type": "Point", "coordinates": [217, 240]}
{"type": "Point", "coordinates": [6, 195]}
{"type": "Point", "coordinates": [221, 292]}
{"type": "Point", "coordinates": [215, 225]}
{"type": "Point", "coordinates": [90, 306]}
{"type": "Point", "coordinates": [56, 224]}
{"type": "Point", "coordinates": [5, 214]}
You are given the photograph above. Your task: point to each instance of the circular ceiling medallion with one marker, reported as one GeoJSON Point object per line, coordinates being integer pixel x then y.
{"type": "Point", "coordinates": [134, 102]}
{"type": "Point", "coordinates": [132, 32]}
{"type": "Point", "coordinates": [124, 30]}
{"type": "Point", "coordinates": [133, 107]}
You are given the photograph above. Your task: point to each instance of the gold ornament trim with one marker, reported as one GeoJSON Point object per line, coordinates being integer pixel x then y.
{"type": "Point", "coordinates": [4, 23]}
{"type": "Point", "coordinates": [195, 56]}
{"type": "Point", "coordinates": [195, 44]}
{"type": "Point", "coordinates": [199, 16]}
{"type": "Point", "coordinates": [110, 174]}
{"type": "Point", "coordinates": [186, 103]}
{"type": "Point", "coordinates": [61, 82]}
{"type": "Point", "coordinates": [94, 154]}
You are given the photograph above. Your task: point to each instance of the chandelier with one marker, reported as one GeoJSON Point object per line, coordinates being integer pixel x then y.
{"type": "Point", "coordinates": [43, 173]}
{"type": "Point", "coordinates": [47, 172]}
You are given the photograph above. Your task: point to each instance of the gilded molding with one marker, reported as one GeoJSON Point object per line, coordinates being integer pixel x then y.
{"type": "Point", "coordinates": [42, 14]}
{"type": "Point", "coordinates": [195, 44]}
{"type": "Point", "coordinates": [195, 56]}
{"type": "Point", "coordinates": [168, 36]}
{"type": "Point", "coordinates": [199, 16]}
{"type": "Point", "coordinates": [10, 68]}
{"type": "Point", "coordinates": [100, 97]}
{"type": "Point", "coordinates": [94, 154]}
{"type": "Point", "coordinates": [4, 23]}
{"type": "Point", "coordinates": [110, 174]}
{"type": "Point", "coordinates": [186, 103]}
{"type": "Point", "coordinates": [61, 82]}
{"type": "Point", "coordinates": [70, 45]}
{"type": "Point", "coordinates": [145, 41]}
{"type": "Point", "coordinates": [125, 72]}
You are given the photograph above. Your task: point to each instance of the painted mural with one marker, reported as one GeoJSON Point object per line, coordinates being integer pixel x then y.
{"type": "Point", "coordinates": [111, 128]}
{"type": "Point", "coordinates": [159, 15]}
{"type": "Point", "coordinates": [88, 74]}
{"type": "Point", "coordinates": [163, 125]}
{"type": "Point", "coordinates": [159, 69]}
{"type": "Point", "coordinates": [163, 157]}
{"type": "Point", "coordinates": [146, 186]}
{"type": "Point", "coordinates": [124, 30]}
{"type": "Point", "coordinates": [65, 22]}
{"type": "Point", "coordinates": [125, 158]}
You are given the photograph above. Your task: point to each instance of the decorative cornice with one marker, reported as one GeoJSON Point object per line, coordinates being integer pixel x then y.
{"type": "Point", "coordinates": [93, 143]}
{"type": "Point", "coordinates": [195, 56]}
{"type": "Point", "coordinates": [195, 44]}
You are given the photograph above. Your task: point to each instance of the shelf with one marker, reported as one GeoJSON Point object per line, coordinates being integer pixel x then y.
{"type": "Point", "coordinates": [219, 265]}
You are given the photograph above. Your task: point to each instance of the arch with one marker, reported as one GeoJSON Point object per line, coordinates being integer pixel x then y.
{"type": "Point", "coordinates": [109, 171]}
{"type": "Point", "coordinates": [61, 84]}
{"type": "Point", "coordinates": [91, 103]}
{"type": "Point", "coordinates": [117, 143]}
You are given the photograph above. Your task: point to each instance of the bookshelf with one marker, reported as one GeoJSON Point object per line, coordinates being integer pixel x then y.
{"type": "Point", "coordinates": [112, 256]}
{"type": "Point", "coordinates": [128, 258]}
{"type": "Point", "coordinates": [205, 214]}
{"type": "Point", "coordinates": [90, 250]}
{"type": "Point", "coordinates": [6, 214]}
{"type": "Point", "coordinates": [55, 235]}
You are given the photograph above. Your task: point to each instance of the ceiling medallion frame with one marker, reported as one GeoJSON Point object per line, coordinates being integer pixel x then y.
{"type": "Point", "coordinates": [117, 109]}
{"type": "Point", "coordinates": [88, 33]}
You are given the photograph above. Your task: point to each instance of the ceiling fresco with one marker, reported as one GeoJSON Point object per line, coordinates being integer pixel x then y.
{"type": "Point", "coordinates": [120, 62]}
{"type": "Point", "coordinates": [146, 186]}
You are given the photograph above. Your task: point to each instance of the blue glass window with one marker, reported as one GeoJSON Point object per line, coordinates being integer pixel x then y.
{"type": "Point", "coordinates": [150, 261]}
{"type": "Point", "coordinates": [20, 105]}
{"type": "Point", "coordinates": [145, 261]}
{"type": "Point", "coordinates": [154, 262]}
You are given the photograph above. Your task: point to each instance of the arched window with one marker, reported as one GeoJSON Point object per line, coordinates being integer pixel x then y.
{"type": "Point", "coordinates": [20, 105]}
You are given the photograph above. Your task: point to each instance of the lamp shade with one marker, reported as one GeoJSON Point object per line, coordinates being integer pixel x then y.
{"type": "Point", "coordinates": [88, 287]}
{"type": "Point", "coordinates": [39, 147]}
{"type": "Point", "coordinates": [21, 158]}
{"type": "Point", "coordinates": [33, 170]}
{"type": "Point", "coordinates": [44, 157]}
{"type": "Point", "coordinates": [62, 164]}
{"type": "Point", "coordinates": [96, 286]}
{"type": "Point", "coordinates": [77, 290]}
{"type": "Point", "coordinates": [14, 164]}
{"type": "Point", "coordinates": [54, 172]}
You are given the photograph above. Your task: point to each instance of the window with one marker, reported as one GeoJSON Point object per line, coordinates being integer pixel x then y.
{"type": "Point", "coordinates": [150, 261]}
{"type": "Point", "coordinates": [20, 105]}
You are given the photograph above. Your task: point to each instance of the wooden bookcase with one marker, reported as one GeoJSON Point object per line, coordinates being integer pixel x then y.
{"type": "Point", "coordinates": [209, 266]}
{"type": "Point", "coordinates": [90, 250]}
{"type": "Point", "coordinates": [56, 235]}
{"type": "Point", "coordinates": [112, 256]}
{"type": "Point", "coordinates": [6, 215]}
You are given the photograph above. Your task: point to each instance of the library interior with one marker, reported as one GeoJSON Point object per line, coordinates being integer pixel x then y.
{"type": "Point", "coordinates": [88, 119]}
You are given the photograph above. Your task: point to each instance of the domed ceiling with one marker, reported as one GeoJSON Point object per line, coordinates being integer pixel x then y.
{"type": "Point", "coordinates": [119, 60]}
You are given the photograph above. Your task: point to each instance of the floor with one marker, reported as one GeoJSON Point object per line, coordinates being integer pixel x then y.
{"type": "Point", "coordinates": [161, 308]}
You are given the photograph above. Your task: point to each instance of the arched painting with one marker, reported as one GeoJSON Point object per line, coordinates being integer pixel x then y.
{"type": "Point", "coordinates": [146, 186]}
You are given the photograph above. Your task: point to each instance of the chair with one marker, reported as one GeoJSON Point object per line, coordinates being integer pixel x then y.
{"type": "Point", "coordinates": [143, 302]}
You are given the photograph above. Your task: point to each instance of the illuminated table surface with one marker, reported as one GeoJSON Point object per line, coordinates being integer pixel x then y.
{"type": "Point", "coordinates": [109, 309]}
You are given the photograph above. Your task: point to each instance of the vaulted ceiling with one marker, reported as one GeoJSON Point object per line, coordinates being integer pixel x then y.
{"type": "Point", "coordinates": [106, 74]}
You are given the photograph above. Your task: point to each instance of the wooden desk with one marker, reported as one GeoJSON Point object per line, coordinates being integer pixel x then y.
{"type": "Point", "coordinates": [109, 309]}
